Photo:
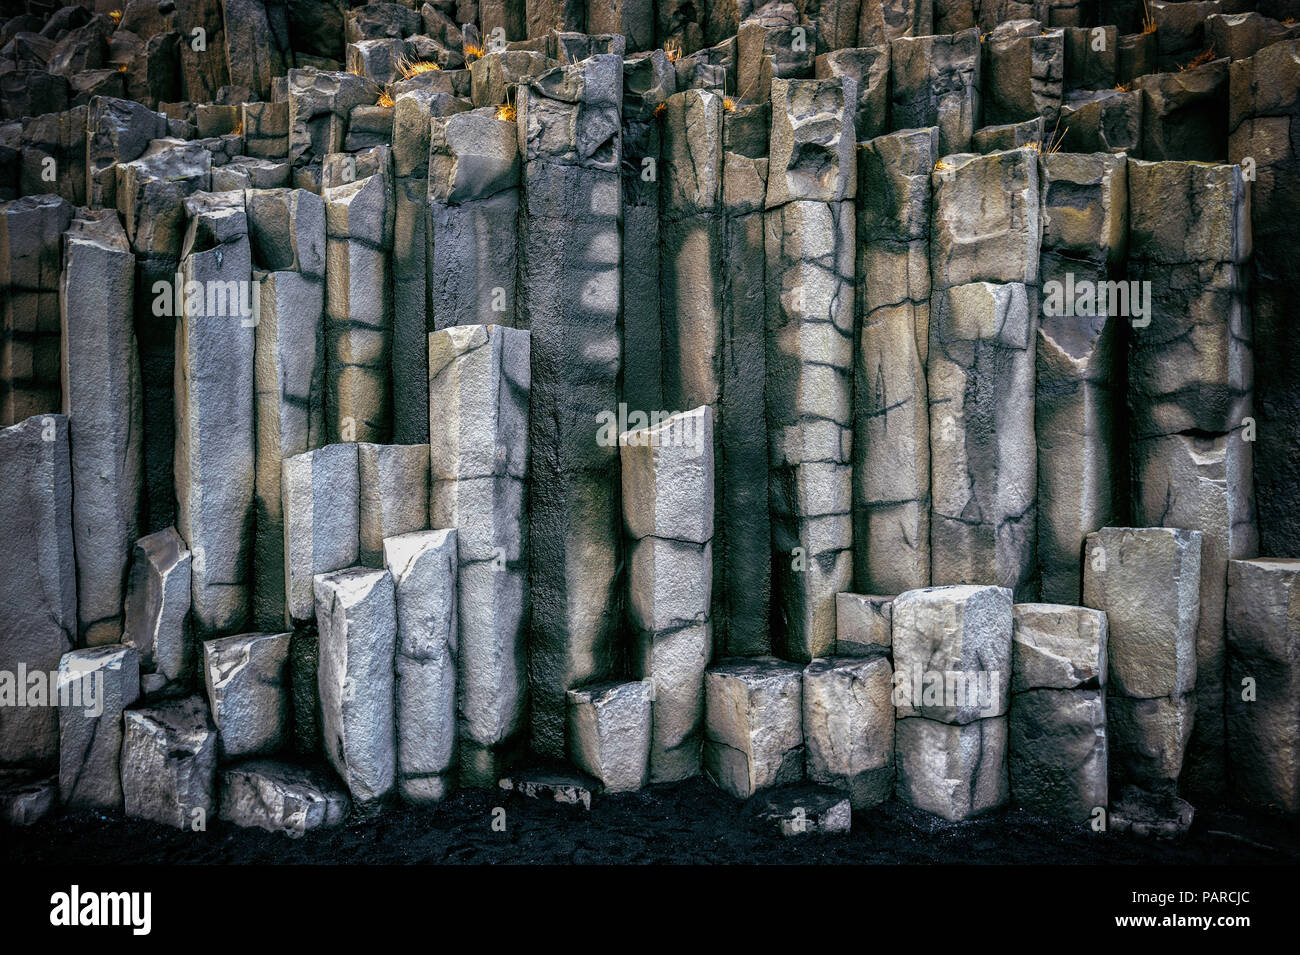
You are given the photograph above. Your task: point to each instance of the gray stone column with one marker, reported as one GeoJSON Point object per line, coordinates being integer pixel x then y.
{"type": "Point", "coordinates": [102, 399]}
{"type": "Point", "coordinates": [1191, 374]}
{"type": "Point", "coordinates": [287, 228]}
{"type": "Point", "coordinates": [478, 453]}
{"type": "Point", "coordinates": [570, 299]}
{"type": "Point", "coordinates": [984, 248]}
{"type": "Point", "coordinates": [214, 413]}
{"type": "Point", "coordinates": [39, 592]}
{"type": "Point", "coordinates": [891, 416]}
{"type": "Point", "coordinates": [809, 239]}
{"type": "Point", "coordinates": [1078, 411]}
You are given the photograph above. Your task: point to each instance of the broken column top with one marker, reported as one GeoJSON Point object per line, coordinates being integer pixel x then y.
{"type": "Point", "coordinates": [1184, 212]}
{"type": "Point", "coordinates": [668, 477]}
{"type": "Point", "coordinates": [1054, 646]}
{"type": "Point", "coordinates": [813, 145]}
{"type": "Point", "coordinates": [472, 155]}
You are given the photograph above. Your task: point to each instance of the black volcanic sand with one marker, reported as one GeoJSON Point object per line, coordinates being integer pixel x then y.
{"type": "Point", "coordinates": [690, 822]}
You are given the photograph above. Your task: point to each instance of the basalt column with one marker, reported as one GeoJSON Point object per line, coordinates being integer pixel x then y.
{"type": "Point", "coordinates": [984, 247]}
{"type": "Point", "coordinates": [742, 619]}
{"type": "Point", "coordinates": [691, 264]}
{"type": "Point", "coordinates": [29, 325]}
{"type": "Point", "coordinates": [891, 423]}
{"type": "Point", "coordinates": [668, 482]}
{"type": "Point", "coordinates": [287, 228]}
{"type": "Point", "coordinates": [214, 413]}
{"type": "Point", "coordinates": [358, 313]}
{"type": "Point", "coordinates": [102, 399]}
{"type": "Point", "coordinates": [570, 296]}
{"type": "Point", "coordinates": [1082, 467]}
{"type": "Point", "coordinates": [150, 192]}
{"type": "Point", "coordinates": [473, 203]}
{"type": "Point", "coordinates": [809, 237]}
{"type": "Point", "coordinates": [1190, 379]}
{"type": "Point", "coordinates": [478, 454]}
{"type": "Point", "coordinates": [1263, 110]}
{"type": "Point", "coordinates": [411, 115]}
{"type": "Point", "coordinates": [648, 80]}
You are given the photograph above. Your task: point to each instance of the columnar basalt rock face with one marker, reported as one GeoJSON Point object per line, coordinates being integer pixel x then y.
{"type": "Point", "coordinates": [1078, 415]}
{"type": "Point", "coordinates": [984, 248]}
{"type": "Point", "coordinates": [356, 614]}
{"type": "Point", "coordinates": [214, 412]}
{"type": "Point", "coordinates": [891, 426]}
{"type": "Point", "coordinates": [570, 255]}
{"type": "Point", "coordinates": [1263, 675]}
{"type": "Point", "coordinates": [668, 495]}
{"type": "Point", "coordinates": [39, 624]}
{"type": "Point", "coordinates": [1190, 396]}
{"type": "Point", "coordinates": [94, 687]}
{"type": "Point", "coordinates": [958, 290]}
{"type": "Point", "coordinates": [479, 387]}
